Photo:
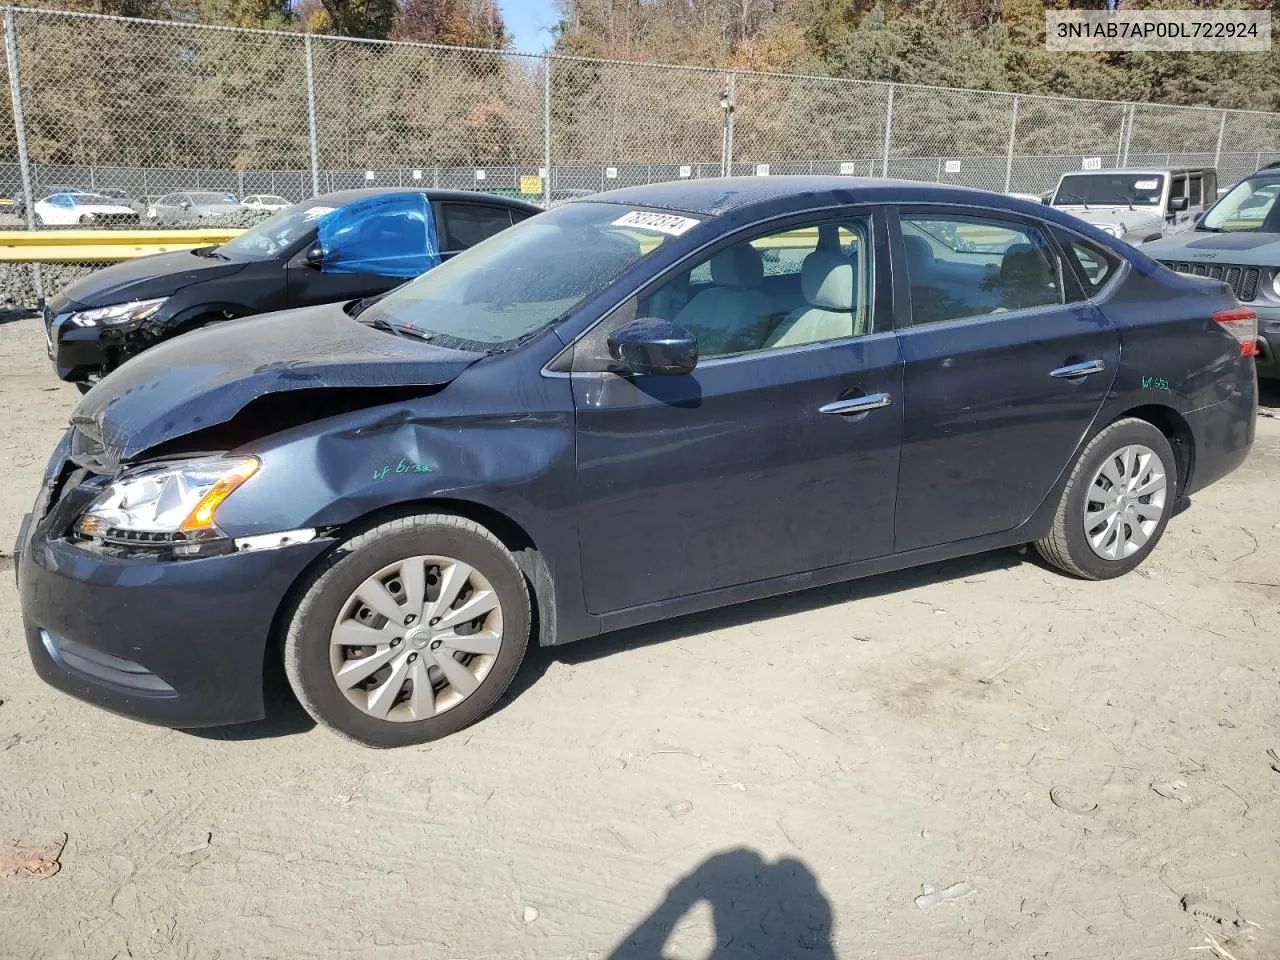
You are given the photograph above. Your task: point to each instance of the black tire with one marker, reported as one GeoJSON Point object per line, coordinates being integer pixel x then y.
{"type": "Point", "coordinates": [307, 641]}
{"type": "Point", "coordinates": [1067, 546]}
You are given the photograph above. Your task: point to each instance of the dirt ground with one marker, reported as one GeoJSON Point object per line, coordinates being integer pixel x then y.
{"type": "Point", "coordinates": [778, 780]}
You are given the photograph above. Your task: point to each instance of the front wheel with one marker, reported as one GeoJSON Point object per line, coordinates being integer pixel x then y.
{"type": "Point", "coordinates": [410, 632]}
{"type": "Point", "coordinates": [1116, 504]}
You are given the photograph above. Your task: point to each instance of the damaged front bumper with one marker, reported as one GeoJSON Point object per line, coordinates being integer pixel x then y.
{"type": "Point", "coordinates": [175, 642]}
{"type": "Point", "coordinates": [80, 353]}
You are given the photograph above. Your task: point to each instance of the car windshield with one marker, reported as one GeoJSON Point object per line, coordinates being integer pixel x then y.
{"type": "Point", "coordinates": [521, 280]}
{"type": "Point", "coordinates": [89, 198]}
{"type": "Point", "coordinates": [276, 234]}
{"type": "Point", "coordinates": [212, 199]}
{"type": "Point", "coordinates": [1246, 206]}
{"type": "Point", "coordinates": [1106, 189]}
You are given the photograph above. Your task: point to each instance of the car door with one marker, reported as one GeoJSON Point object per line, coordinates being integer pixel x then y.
{"type": "Point", "coordinates": [778, 454]}
{"type": "Point", "coordinates": [1005, 367]}
{"type": "Point", "coordinates": [365, 248]}
{"type": "Point", "coordinates": [463, 224]}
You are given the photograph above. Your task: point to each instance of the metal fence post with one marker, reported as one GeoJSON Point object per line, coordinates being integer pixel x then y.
{"type": "Point", "coordinates": [19, 121]}
{"type": "Point", "coordinates": [1222, 128]}
{"type": "Point", "coordinates": [733, 108]}
{"type": "Point", "coordinates": [1124, 124]}
{"type": "Point", "coordinates": [1013, 136]}
{"type": "Point", "coordinates": [20, 132]}
{"type": "Point", "coordinates": [888, 133]}
{"type": "Point", "coordinates": [311, 120]}
{"type": "Point", "coordinates": [546, 130]}
{"type": "Point", "coordinates": [1128, 136]}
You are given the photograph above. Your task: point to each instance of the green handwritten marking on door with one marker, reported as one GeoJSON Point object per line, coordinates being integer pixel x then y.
{"type": "Point", "coordinates": [403, 466]}
{"type": "Point", "coordinates": [1155, 383]}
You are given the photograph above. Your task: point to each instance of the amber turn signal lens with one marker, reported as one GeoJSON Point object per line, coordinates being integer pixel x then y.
{"type": "Point", "coordinates": [201, 516]}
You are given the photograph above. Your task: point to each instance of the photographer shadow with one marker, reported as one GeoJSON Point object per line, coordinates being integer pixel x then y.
{"type": "Point", "coordinates": [760, 911]}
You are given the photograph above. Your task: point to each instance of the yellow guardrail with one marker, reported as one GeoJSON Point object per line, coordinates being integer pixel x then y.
{"type": "Point", "coordinates": [101, 246]}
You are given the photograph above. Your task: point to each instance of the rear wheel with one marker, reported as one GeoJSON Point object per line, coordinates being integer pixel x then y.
{"type": "Point", "coordinates": [1116, 504]}
{"type": "Point", "coordinates": [411, 631]}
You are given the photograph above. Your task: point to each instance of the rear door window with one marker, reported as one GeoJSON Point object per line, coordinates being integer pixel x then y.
{"type": "Point", "coordinates": [972, 266]}
{"type": "Point", "coordinates": [466, 224]}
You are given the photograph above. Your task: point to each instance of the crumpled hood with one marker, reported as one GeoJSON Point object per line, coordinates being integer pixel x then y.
{"type": "Point", "coordinates": [1118, 214]}
{"type": "Point", "coordinates": [144, 278]}
{"type": "Point", "coordinates": [1244, 248]}
{"type": "Point", "coordinates": [206, 377]}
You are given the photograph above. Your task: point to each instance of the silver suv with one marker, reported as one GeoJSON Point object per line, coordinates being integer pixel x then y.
{"type": "Point", "coordinates": [1137, 205]}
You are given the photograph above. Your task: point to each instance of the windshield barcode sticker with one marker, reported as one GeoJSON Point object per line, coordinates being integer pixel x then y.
{"type": "Point", "coordinates": [661, 222]}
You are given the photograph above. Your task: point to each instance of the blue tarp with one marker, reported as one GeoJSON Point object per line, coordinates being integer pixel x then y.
{"type": "Point", "coordinates": [392, 235]}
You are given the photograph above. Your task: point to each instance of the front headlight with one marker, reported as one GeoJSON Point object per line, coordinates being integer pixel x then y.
{"type": "Point", "coordinates": [117, 314]}
{"type": "Point", "coordinates": [167, 506]}
{"type": "Point", "coordinates": [1275, 283]}
{"type": "Point", "coordinates": [1110, 229]}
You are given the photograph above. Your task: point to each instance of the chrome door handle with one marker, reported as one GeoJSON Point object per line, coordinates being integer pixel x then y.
{"type": "Point", "coordinates": [844, 408]}
{"type": "Point", "coordinates": [1079, 369]}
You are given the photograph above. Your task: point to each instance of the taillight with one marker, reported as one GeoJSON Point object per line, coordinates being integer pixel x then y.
{"type": "Point", "coordinates": [1241, 323]}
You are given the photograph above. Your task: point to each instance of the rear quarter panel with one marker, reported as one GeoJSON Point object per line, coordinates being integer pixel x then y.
{"type": "Point", "coordinates": [1174, 354]}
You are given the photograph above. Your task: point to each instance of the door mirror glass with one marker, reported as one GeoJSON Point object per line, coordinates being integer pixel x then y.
{"type": "Point", "coordinates": [1177, 203]}
{"type": "Point", "coordinates": [314, 257]}
{"type": "Point", "coordinates": [649, 347]}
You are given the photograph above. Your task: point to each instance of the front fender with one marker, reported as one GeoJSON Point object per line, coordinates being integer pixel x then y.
{"type": "Point", "coordinates": [496, 438]}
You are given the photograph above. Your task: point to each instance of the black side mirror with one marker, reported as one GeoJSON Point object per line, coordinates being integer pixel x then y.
{"type": "Point", "coordinates": [1197, 216]}
{"type": "Point", "coordinates": [654, 348]}
{"type": "Point", "coordinates": [1177, 203]}
{"type": "Point", "coordinates": [1047, 200]}
{"type": "Point", "coordinates": [314, 257]}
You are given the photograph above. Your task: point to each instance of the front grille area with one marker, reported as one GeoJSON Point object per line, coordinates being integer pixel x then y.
{"type": "Point", "coordinates": [114, 219]}
{"type": "Point", "coordinates": [1242, 280]}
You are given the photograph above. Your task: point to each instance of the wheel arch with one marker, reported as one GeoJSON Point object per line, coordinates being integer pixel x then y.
{"type": "Point", "coordinates": [509, 532]}
{"type": "Point", "coordinates": [1176, 430]}
{"type": "Point", "coordinates": [183, 320]}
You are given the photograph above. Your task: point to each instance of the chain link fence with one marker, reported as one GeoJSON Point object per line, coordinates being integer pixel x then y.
{"type": "Point", "coordinates": [148, 108]}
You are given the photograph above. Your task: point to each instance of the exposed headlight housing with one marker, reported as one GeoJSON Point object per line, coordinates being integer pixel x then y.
{"type": "Point", "coordinates": [1275, 283]}
{"type": "Point", "coordinates": [118, 314]}
{"type": "Point", "coordinates": [1110, 229]}
{"type": "Point", "coordinates": [167, 508]}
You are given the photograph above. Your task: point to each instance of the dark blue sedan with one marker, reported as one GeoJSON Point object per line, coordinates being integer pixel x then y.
{"type": "Point", "coordinates": [634, 406]}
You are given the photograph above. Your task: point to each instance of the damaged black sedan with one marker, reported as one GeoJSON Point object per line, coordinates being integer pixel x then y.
{"type": "Point", "coordinates": [639, 405]}
{"type": "Point", "coordinates": [333, 247]}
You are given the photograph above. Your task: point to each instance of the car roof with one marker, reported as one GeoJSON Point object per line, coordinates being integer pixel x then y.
{"type": "Point", "coordinates": [1140, 171]}
{"type": "Point", "coordinates": [722, 195]}
{"type": "Point", "coordinates": [474, 196]}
